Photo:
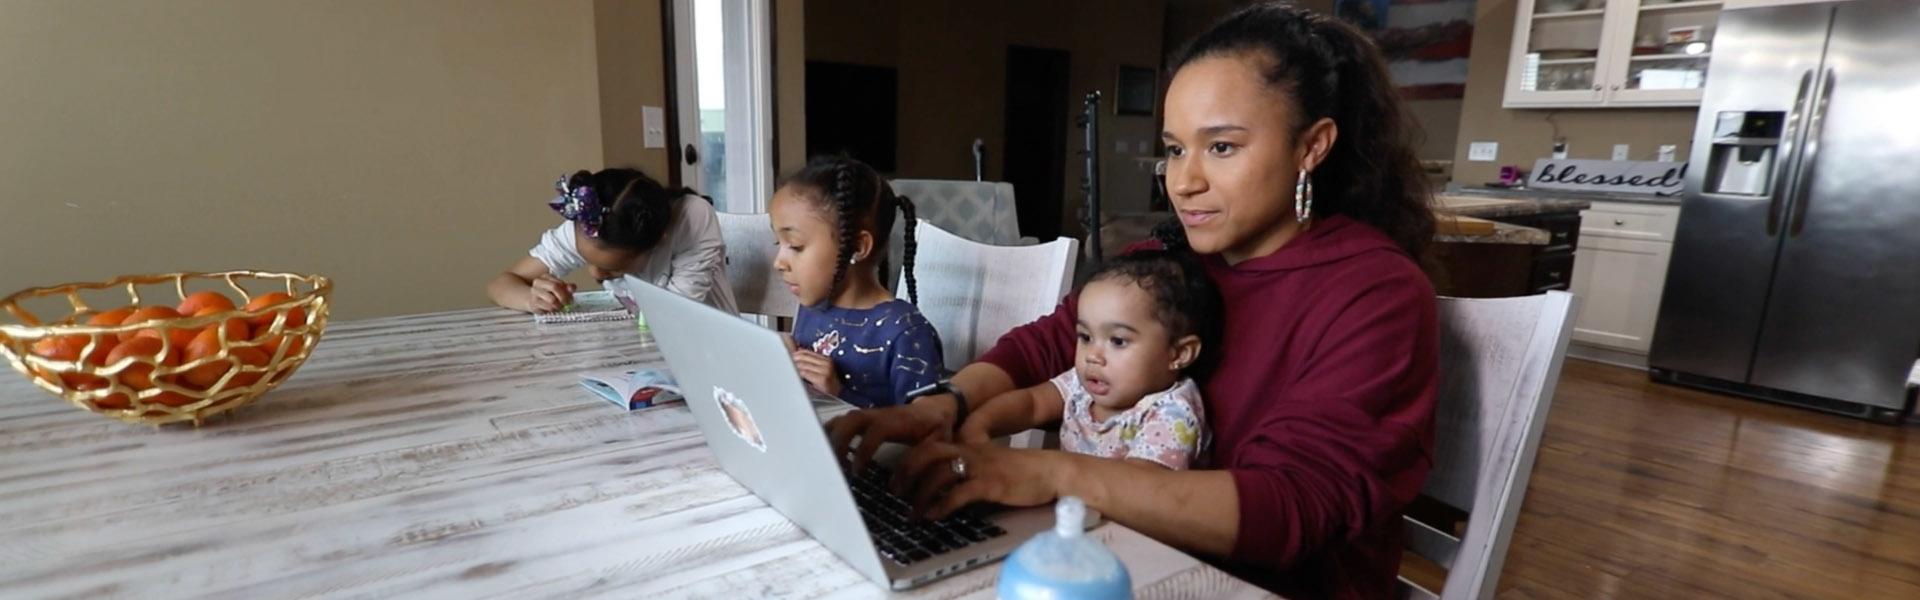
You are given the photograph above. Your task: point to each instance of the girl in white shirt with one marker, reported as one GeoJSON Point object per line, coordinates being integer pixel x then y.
{"type": "Point", "coordinates": [621, 224]}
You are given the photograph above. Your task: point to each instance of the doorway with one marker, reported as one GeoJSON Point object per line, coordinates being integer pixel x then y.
{"type": "Point", "coordinates": [1035, 156]}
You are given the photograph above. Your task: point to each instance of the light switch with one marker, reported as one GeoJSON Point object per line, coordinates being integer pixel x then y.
{"type": "Point", "coordinates": [1667, 151]}
{"type": "Point", "coordinates": [653, 122]}
{"type": "Point", "coordinates": [1559, 150]}
{"type": "Point", "coordinates": [1120, 146]}
{"type": "Point", "coordinates": [1620, 151]}
{"type": "Point", "coordinates": [1483, 151]}
{"type": "Point", "coordinates": [1143, 147]}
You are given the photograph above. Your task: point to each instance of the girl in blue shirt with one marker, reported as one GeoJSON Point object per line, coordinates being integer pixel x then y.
{"type": "Point", "coordinates": [852, 337]}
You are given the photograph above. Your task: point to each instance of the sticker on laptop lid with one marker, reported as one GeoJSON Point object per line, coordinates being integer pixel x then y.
{"type": "Point", "coordinates": [739, 419]}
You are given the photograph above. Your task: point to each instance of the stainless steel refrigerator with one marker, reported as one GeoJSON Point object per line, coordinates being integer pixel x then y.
{"type": "Point", "coordinates": [1796, 267]}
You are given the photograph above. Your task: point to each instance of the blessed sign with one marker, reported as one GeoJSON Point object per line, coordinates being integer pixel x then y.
{"type": "Point", "coordinates": [1623, 176]}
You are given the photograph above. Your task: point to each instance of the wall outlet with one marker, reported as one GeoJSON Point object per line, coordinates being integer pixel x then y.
{"type": "Point", "coordinates": [1620, 151]}
{"type": "Point", "coordinates": [653, 122]}
{"type": "Point", "coordinates": [1559, 150]}
{"type": "Point", "coordinates": [1483, 151]}
{"type": "Point", "coordinates": [1667, 151]}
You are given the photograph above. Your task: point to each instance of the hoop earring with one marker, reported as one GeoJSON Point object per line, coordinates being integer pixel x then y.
{"type": "Point", "coordinates": [1303, 198]}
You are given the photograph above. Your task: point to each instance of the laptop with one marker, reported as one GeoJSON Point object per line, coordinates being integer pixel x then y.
{"type": "Point", "coordinates": [760, 421]}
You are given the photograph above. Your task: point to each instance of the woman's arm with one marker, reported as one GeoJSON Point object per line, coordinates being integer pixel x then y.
{"type": "Point", "coordinates": [1029, 354]}
{"type": "Point", "coordinates": [1198, 511]}
{"type": "Point", "coordinates": [1014, 412]}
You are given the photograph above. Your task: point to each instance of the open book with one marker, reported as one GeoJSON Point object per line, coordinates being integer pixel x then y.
{"type": "Point", "coordinates": [633, 389]}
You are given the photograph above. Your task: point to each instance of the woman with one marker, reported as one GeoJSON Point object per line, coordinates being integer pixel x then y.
{"type": "Point", "coordinates": [1291, 168]}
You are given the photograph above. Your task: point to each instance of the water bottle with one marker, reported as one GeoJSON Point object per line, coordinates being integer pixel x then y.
{"type": "Point", "coordinates": [1065, 564]}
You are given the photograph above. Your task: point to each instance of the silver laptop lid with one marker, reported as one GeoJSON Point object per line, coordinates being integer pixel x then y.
{"type": "Point", "coordinates": [751, 407]}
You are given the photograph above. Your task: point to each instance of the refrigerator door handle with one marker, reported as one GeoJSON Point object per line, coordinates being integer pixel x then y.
{"type": "Point", "coordinates": [1803, 182]}
{"type": "Point", "coordinates": [1782, 180]}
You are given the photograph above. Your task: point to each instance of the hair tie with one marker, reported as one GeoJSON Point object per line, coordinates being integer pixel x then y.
{"type": "Point", "coordinates": [578, 204]}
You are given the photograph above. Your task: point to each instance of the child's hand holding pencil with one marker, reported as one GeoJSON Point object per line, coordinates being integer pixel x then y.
{"type": "Point", "coordinates": [550, 294]}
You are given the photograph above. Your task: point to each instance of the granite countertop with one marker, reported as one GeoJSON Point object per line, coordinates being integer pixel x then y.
{"type": "Point", "coordinates": [1465, 205]}
{"type": "Point", "coordinates": [1503, 233]}
{"type": "Point", "coordinates": [1120, 229]}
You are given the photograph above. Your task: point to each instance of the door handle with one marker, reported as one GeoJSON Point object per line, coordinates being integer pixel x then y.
{"type": "Point", "coordinates": [1803, 182]}
{"type": "Point", "coordinates": [692, 154]}
{"type": "Point", "coordinates": [1783, 179]}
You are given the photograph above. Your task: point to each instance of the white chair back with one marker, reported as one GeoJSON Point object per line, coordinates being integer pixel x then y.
{"type": "Point", "coordinates": [973, 293]}
{"type": "Point", "coordinates": [756, 285]}
{"type": "Point", "coordinates": [982, 211]}
{"type": "Point", "coordinates": [1499, 361]}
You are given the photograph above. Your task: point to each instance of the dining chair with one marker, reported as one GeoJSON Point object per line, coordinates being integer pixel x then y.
{"type": "Point", "coordinates": [973, 293]}
{"type": "Point", "coordinates": [982, 211]}
{"type": "Point", "coordinates": [756, 285]}
{"type": "Point", "coordinates": [1499, 361]}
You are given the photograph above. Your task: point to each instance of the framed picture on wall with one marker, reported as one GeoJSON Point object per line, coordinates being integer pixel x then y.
{"type": "Point", "coordinates": [1136, 90]}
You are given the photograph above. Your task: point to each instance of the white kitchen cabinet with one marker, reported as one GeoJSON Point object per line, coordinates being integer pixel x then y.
{"type": "Point", "coordinates": [1610, 53]}
{"type": "Point", "coordinates": [1619, 271]}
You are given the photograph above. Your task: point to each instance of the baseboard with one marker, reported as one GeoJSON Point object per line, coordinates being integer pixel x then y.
{"type": "Point", "coordinates": [1618, 358]}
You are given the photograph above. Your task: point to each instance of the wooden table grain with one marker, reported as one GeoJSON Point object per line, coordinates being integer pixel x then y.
{"type": "Point", "coordinates": [439, 455]}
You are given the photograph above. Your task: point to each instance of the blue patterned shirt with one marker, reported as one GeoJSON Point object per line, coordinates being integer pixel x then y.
{"type": "Point", "coordinates": [880, 353]}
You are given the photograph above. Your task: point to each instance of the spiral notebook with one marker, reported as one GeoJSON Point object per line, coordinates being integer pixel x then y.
{"type": "Point", "coordinates": [589, 307]}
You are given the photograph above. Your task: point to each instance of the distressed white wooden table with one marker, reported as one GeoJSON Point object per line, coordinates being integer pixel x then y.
{"type": "Point", "coordinates": [442, 455]}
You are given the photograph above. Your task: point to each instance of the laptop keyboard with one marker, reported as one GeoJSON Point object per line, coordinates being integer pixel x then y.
{"type": "Point", "coordinates": [904, 539]}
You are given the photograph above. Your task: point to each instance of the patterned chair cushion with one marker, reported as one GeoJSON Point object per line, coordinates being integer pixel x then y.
{"type": "Point", "coordinates": [982, 211]}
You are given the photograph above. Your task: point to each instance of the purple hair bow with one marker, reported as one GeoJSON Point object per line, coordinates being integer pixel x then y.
{"type": "Point", "coordinates": [578, 204]}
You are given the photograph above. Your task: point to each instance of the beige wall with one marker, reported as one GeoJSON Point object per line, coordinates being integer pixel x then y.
{"type": "Point", "coordinates": [951, 56]}
{"type": "Point", "coordinates": [631, 62]}
{"type": "Point", "coordinates": [403, 148]}
{"type": "Point", "coordinates": [1526, 135]}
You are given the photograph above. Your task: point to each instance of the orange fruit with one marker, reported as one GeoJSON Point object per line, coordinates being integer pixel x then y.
{"type": "Point", "coordinates": [112, 317]}
{"type": "Point", "coordinates": [112, 402]}
{"type": "Point", "coordinates": [271, 345]}
{"type": "Point", "coordinates": [204, 345]}
{"type": "Point", "coordinates": [115, 401]}
{"type": "Point", "coordinates": [198, 301]}
{"type": "Point", "coordinates": [68, 348]}
{"type": "Point", "coordinates": [251, 357]}
{"type": "Point", "coordinates": [295, 317]}
{"type": "Point", "coordinates": [171, 399]}
{"type": "Point", "coordinates": [237, 328]}
{"type": "Point", "coordinates": [146, 354]}
{"type": "Point", "coordinates": [152, 313]}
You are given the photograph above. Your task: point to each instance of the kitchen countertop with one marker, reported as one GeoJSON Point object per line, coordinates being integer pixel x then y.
{"type": "Point", "coordinates": [1119, 230]}
{"type": "Point", "coordinates": [1503, 233]}
{"type": "Point", "coordinates": [1495, 207]}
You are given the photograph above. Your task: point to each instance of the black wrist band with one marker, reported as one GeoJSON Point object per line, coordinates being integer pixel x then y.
{"type": "Point", "coordinates": [959, 408]}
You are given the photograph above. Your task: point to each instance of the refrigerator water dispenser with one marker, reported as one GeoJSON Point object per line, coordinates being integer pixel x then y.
{"type": "Point", "coordinates": [1744, 144]}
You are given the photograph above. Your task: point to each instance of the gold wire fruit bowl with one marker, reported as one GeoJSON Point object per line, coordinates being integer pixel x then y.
{"type": "Point", "coordinates": [155, 367]}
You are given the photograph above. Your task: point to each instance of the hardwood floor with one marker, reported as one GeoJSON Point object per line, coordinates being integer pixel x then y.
{"type": "Point", "coordinates": [1644, 490]}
